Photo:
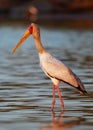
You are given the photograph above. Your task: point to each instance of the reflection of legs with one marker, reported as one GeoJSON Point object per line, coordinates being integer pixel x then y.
{"type": "Point", "coordinates": [60, 98]}
{"type": "Point", "coordinates": [53, 99]}
{"type": "Point", "coordinates": [58, 119]}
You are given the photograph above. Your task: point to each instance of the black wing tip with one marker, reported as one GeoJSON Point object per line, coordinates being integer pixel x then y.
{"type": "Point", "coordinates": [82, 90]}
{"type": "Point", "coordinates": [85, 92]}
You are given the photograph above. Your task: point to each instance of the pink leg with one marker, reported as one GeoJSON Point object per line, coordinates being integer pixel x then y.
{"type": "Point", "coordinates": [53, 99]}
{"type": "Point", "coordinates": [60, 98]}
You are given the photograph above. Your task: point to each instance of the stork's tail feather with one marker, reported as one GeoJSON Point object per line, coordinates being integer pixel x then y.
{"type": "Point", "coordinates": [82, 90]}
{"type": "Point", "coordinates": [85, 92]}
{"type": "Point", "coordinates": [81, 87]}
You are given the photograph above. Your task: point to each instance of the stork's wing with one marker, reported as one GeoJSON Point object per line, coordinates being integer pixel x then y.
{"type": "Point", "coordinates": [60, 71]}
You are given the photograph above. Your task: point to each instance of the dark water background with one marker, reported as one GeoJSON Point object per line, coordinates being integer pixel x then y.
{"type": "Point", "coordinates": [25, 91]}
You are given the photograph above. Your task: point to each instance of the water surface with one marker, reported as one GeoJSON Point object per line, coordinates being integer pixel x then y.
{"type": "Point", "coordinates": [25, 91]}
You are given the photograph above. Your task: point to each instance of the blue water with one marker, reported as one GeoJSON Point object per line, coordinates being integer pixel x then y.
{"type": "Point", "coordinates": [25, 91]}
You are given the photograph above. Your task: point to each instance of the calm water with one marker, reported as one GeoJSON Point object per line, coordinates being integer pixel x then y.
{"type": "Point", "coordinates": [25, 91]}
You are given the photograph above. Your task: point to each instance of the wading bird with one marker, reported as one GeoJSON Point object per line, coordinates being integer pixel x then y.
{"type": "Point", "coordinates": [53, 68]}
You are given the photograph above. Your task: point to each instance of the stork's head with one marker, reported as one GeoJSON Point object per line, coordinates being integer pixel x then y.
{"type": "Point", "coordinates": [34, 30]}
{"type": "Point", "coordinates": [31, 30]}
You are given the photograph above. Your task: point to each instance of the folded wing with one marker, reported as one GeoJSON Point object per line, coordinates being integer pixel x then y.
{"type": "Point", "coordinates": [57, 69]}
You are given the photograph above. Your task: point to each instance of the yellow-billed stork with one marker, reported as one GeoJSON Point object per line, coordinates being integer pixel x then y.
{"type": "Point", "coordinates": [52, 67]}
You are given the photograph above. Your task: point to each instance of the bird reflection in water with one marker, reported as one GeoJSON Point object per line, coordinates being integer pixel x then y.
{"type": "Point", "coordinates": [62, 123]}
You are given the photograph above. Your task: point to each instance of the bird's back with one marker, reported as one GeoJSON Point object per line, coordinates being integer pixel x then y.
{"type": "Point", "coordinates": [58, 70]}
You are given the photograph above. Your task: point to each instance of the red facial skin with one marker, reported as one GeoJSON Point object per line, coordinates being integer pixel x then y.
{"type": "Point", "coordinates": [30, 28]}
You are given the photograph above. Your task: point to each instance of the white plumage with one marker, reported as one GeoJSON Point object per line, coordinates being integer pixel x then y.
{"type": "Point", "coordinates": [55, 69]}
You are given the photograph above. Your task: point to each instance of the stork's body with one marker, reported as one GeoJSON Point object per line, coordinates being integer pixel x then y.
{"type": "Point", "coordinates": [53, 68]}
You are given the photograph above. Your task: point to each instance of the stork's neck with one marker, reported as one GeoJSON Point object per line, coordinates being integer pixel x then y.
{"type": "Point", "coordinates": [39, 45]}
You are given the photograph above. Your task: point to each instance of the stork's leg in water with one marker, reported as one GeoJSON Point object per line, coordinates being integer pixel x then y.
{"type": "Point", "coordinates": [53, 98]}
{"type": "Point", "coordinates": [60, 97]}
